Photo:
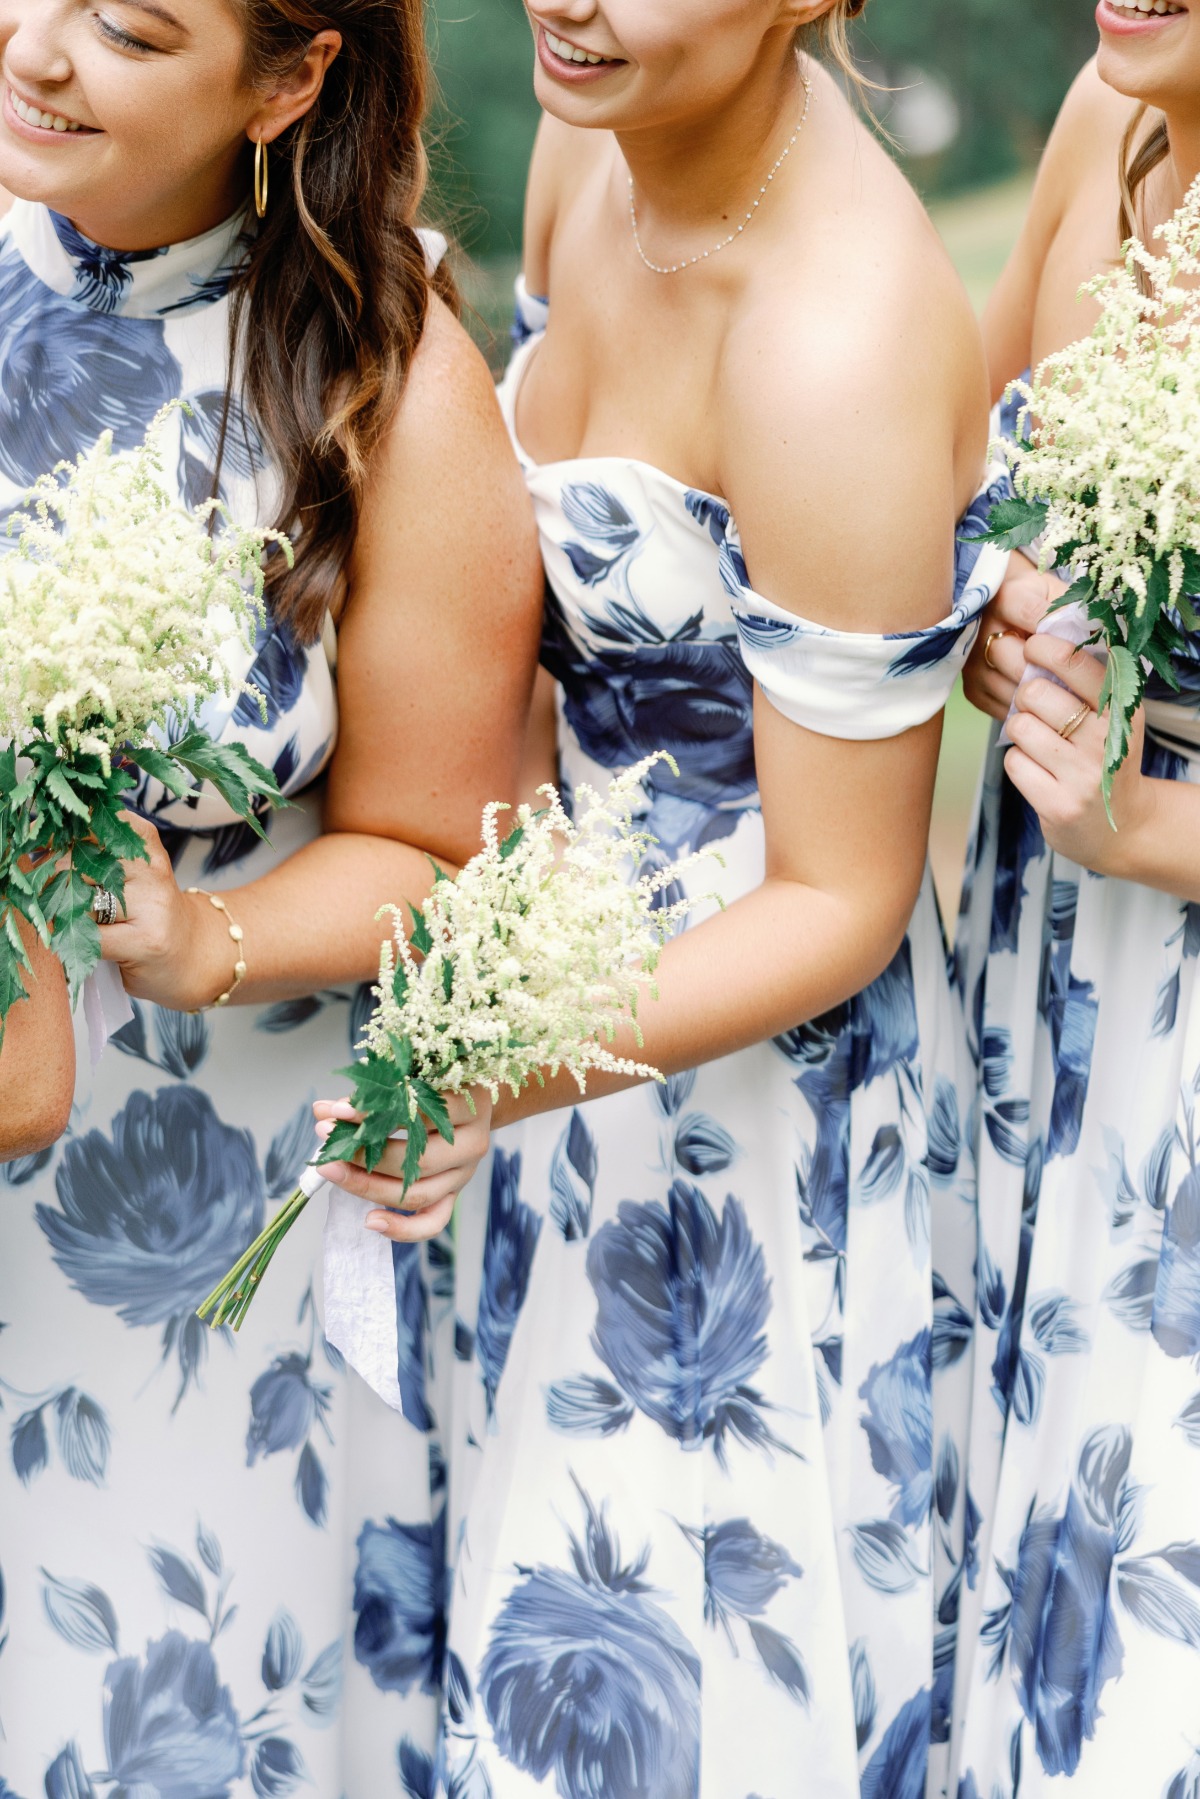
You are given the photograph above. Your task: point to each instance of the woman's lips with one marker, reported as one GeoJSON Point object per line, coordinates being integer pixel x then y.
{"type": "Point", "coordinates": [1130, 21]}
{"type": "Point", "coordinates": [572, 63]}
{"type": "Point", "coordinates": [40, 123]}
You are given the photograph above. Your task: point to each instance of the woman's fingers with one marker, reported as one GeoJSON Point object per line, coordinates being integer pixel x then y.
{"type": "Point", "coordinates": [1076, 668]}
{"type": "Point", "coordinates": [418, 1229]}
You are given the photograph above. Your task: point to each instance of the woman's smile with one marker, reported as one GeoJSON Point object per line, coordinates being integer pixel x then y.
{"type": "Point", "coordinates": [39, 123]}
{"type": "Point", "coordinates": [1136, 16]}
{"type": "Point", "coordinates": [572, 62]}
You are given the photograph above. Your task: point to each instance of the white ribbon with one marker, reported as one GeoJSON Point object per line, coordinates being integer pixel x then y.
{"type": "Point", "coordinates": [360, 1291]}
{"type": "Point", "coordinates": [106, 1006]}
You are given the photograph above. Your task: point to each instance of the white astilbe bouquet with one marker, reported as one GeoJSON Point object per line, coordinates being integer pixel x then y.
{"type": "Point", "coordinates": [524, 964]}
{"type": "Point", "coordinates": [121, 612]}
{"type": "Point", "coordinates": [1108, 480]}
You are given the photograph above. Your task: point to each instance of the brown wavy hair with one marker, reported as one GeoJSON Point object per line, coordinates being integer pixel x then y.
{"type": "Point", "coordinates": [1138, 161]}
{"type": "Point", "coordinates": [330, 304]}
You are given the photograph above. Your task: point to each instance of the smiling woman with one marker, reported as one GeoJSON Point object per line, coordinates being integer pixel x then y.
{"type": "Point", "coordinates": [159, 1630]}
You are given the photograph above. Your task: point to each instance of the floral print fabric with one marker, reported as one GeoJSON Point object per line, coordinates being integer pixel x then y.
{"type": "Point", "coordinates": [706, 1420]}
{"type": "Point", "coordinates": [181, 1514]}
{"type": "Point", "coordinates": [1079, 1665]}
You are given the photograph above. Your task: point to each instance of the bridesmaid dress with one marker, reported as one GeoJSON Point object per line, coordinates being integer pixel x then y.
{"type": "Point", "coordinates": [1079, 1666]}
{"type": "Point", "coordinates": [179, 1512]}
{"type": "Point", "coordinates": [707, 1415]}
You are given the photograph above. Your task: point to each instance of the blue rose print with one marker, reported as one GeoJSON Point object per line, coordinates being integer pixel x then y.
{"type": "Point", "coordinates": [682, 1306]}
{"type": "Point", "coordinates": [150, 1220]}
{"type": "Point", "coordinates": [400, 1602]}
{"type": "Point", "coordinates": [1175, 1320]}
{"type": "Point", "coordinates": [71, 373]}
{"type": "Point", "coordinates": [743, 1573]}
{"type": "Point", "coordinates": [1059, 1624]}
{"type": "Point", "coordinates": [512, 1236]}
{"type": "Point", "coordinates": [610, 535]}
{"type": "Point", "coordinates": [897, 1768]}
{"type": "Point", "coordinates": [587, 1678]}
{"type": "Point", "coordinates": [170, 1728]}
{"type": "Point", "coordinates": [899, 1426]}
{"type": "Point", "coordinates": [676, 693]}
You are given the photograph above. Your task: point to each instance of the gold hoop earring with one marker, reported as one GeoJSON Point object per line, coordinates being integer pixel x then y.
{"type": "Point", "coordinates": [260, 179]}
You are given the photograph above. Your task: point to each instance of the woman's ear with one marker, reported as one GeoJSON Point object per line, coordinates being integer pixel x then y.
{"type": "Point", "coordinates": [298, 93]}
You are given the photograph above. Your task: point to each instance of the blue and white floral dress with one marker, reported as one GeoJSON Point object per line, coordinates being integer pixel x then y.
{"type": "Point", "coordinates": [705, 1429]}
{"type": "Point", "coordinates": [179, 1513]}
{"type": "Point", "coordinates": [1079, 1665]}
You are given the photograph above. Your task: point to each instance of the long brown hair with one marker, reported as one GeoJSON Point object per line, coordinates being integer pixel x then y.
{"type": "Point", "coordinates": [1137, 162]}
{"type": "Point", "coordinates": [330, 304]}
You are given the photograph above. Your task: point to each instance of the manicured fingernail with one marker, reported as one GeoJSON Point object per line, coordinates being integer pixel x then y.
{"type": "Point", "coordinates": [377, 1221]}
{"type": "Point", "coordinates": [325, 1128]}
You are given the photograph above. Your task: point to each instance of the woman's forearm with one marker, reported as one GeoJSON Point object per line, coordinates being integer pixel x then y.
{"type": "Point", "coordinates": [782, 955]}
{"type": "Point", "coordinates": [1163, 850]}
{"type": "Point", "coordinates": [310, 923]}
{"type": "Point", "coordinates": [37, 1060]}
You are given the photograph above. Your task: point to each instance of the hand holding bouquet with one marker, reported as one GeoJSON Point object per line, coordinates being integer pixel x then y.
{"type": "Point", "coordinates": [523, 964]}
{"type": "Point", "coordinates": [1108, 481]}
{"type": "Point", "coordinates": [119, 611]}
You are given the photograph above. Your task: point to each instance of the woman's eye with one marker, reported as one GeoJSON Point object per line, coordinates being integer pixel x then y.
{"type": "Point", "coordinates": [115, 35]}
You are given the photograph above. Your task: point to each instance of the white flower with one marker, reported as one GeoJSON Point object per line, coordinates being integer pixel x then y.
{"type": "Point", "coordinates": [546, 939]}
{"type": "Point", "coordinates": [1116, 423]}
{"type": "Point", "coordinates": [118, 606]}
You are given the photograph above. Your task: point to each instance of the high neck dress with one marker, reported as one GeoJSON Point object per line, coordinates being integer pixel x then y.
{"type": "Point", "coordinates": [179, 1512]}
{"type": "Point", "coordinates": [1080, 1660]}
{"type": "Point", "coordinates": [705, 1432]}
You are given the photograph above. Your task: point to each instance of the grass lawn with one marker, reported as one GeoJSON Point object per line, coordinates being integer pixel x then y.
{"type": "Point", "coordinates": [979, 229]}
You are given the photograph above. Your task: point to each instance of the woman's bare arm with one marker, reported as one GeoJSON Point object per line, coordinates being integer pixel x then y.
{"type": "Point", "coordinates": [37, 1061]}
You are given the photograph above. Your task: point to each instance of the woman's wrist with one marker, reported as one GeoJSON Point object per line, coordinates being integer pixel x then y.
{"type": "Point", "coordinates": [216, 951]}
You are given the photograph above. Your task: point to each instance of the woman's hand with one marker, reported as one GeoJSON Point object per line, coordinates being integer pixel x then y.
{"type": "Point", "coordinates": [1060, 776]}
{"type": "Point", "coordinates": [997, 662]}
{"type": "Point", "coordinates": [171, 947]}
{"type": "Point", "coordinates": [425, 1210]}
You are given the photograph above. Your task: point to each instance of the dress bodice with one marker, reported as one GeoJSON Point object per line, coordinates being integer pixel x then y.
{"type": "Point", "coordinates": [657, 635]}
{"type": "Point", "coordinates": [92, 339]}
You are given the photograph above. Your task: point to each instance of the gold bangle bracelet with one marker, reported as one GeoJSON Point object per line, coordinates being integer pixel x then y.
{"type": "Point", "coordinates": [236, 935]}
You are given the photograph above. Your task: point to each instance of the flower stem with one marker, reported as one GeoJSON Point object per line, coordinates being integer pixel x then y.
{"type": "Point", "coordinates": [230, 1299]}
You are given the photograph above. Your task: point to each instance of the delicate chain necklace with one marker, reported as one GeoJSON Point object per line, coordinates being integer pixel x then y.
{"type": "Point", "coordinates": [675, 268]}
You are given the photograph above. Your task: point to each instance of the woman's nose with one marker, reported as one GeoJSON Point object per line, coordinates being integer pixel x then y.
{"type": "Point", "coordinates": [35, 52]}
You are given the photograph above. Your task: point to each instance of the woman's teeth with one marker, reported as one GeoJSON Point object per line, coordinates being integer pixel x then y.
{"type": "Point", "coordinates": [32, 115]}
{"type": "Point", "coordinates": [569, 53]}
{"type": "Point", "coordinates": [1135, 7]}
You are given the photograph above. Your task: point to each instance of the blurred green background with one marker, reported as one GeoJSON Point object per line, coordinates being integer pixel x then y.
{"type": "Point", "coordinates": [974, 89]}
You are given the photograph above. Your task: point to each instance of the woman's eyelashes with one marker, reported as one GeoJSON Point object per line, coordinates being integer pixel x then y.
{"type": "Point", "coordinates": [116, 35]}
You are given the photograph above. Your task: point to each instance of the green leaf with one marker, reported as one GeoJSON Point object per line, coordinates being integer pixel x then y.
{"type": "Point", "coordinates": [12, 985]}
{"type": "Point", "coordinates": [422, 937]}
{"type": "Point", "coordinates": [8, 769]}
{"type": "Point", "coordinates": [117, 836]}
{"type": "Point", "coordinates": [400, 983]}
{"type": "Point", "coordinates": [512, 842]}
{"type": "Point", "coordinates": [61, 790]}
{"type": "Point", "coordinates": [233, 771]}
{"type": "Point", "coordinates": [160, 768]}
{"type": "Point", "coordinates": [447, 977]}
{"type": "Point", "coordinates": [1078, 594]}
{"type": "Point", "coordinates": [1013, 524]}
{"type": "Point", "coordinates": [98, 866]}
{"type": "Point", "coordinates": [434, 1108]}
{"type": "Point", "coordinates": [1121, 694]}
{"type": "Point", "coordinates": [14, 940]}
{"type": "Point", "coordinates": [341, 1144]}
{"type": "Point", "coordinates": [414, 1149]}
{"type": "Point", "coordinates": [77, 942]}
{"type": "Point", "coordinates": [1142, 625]}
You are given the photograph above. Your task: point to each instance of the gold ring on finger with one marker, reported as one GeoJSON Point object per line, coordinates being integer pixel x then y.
{"type": "Point", "coordinates": [994, 637]}
{"type": "Point", "coordinates": [1073, 723]}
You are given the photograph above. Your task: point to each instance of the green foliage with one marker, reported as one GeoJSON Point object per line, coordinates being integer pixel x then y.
{"type": "Point", "coordinates": [62, 835]}
{"type": "Point", "coordinates": [1007, 63]}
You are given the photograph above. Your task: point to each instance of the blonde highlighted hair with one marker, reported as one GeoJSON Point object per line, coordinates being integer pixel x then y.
{"type": "Point", "coordinates": [1138, 162]}
{"type": "Point", "coordinates": [831, 39]}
